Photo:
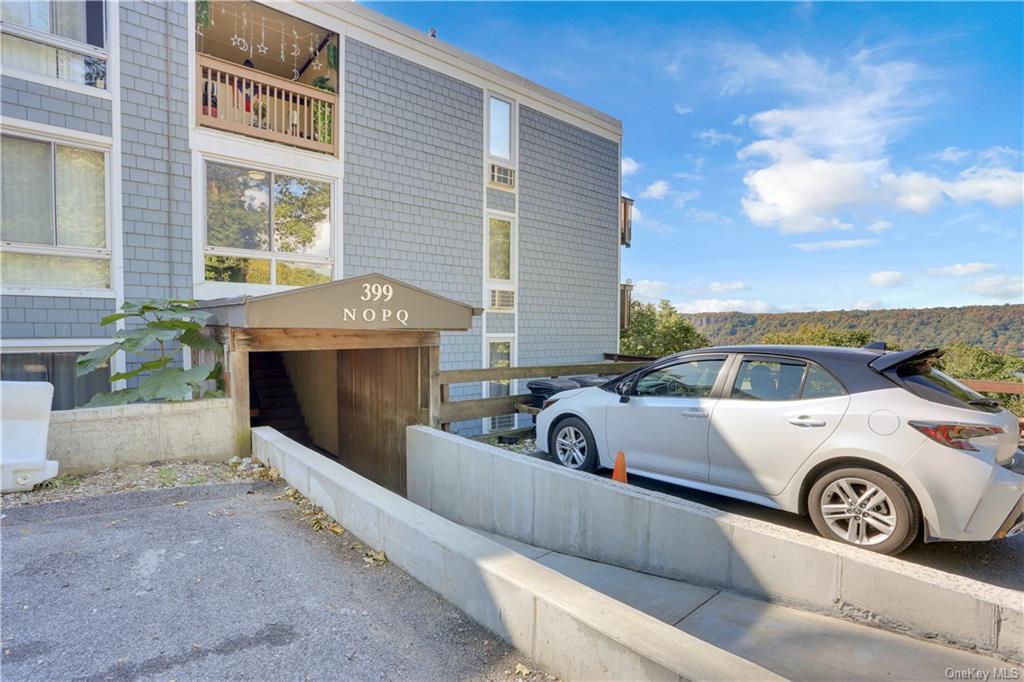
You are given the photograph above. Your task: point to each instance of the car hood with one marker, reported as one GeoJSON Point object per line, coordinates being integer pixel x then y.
{"type": "Point", "coordinates": [572, 392]}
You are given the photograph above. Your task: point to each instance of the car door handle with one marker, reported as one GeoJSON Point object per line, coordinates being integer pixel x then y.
{"type": "Point", "coordinates": [694, 412]}
{"type": "Point", "coordinates": [806, 421]}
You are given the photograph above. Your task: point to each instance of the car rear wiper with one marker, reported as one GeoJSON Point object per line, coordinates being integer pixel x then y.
{"type": "Point", "coordinates": [984, 402]}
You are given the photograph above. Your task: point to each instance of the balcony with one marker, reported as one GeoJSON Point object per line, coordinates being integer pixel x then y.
{"type": "Point", "coordinates": [237, 99]}
{"type": "Point", "coordinates": [266, 75]}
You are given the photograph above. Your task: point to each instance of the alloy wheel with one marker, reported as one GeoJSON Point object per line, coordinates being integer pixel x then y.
{"type": "Point", "coordinates": [858, 511]}
{"type": "Point", "coordinates": [571, 447]}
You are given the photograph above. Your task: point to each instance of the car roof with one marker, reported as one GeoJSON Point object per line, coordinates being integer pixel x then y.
{"type": "Point", "coordinates": [821, 354]}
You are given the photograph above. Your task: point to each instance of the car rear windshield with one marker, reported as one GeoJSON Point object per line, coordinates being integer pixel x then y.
{"type": "Point", "coordinates": [924, 381]}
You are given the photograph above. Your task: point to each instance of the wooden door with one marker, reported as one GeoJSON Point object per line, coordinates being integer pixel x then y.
{"type": "Point", "coordinates": [379, 394]}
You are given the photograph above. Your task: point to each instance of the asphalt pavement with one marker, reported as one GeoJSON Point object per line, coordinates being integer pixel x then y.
{"type": "Point", "coordinates": [219, 582]}
{"type": "Point", "coordinates": [999, 562]}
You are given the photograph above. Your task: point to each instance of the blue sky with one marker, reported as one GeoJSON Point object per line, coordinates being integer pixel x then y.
{"type": "Point", "coordinates": [792, 156]}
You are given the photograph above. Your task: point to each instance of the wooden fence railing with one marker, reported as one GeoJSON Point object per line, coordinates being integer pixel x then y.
{"type": "Point", "coordinates": [461, 410]}
{"type": "Point", "coordinates": [241, 100]}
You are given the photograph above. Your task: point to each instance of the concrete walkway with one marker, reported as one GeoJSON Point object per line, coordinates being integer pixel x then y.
{"type": "Point", "coordinates": [794, 644]}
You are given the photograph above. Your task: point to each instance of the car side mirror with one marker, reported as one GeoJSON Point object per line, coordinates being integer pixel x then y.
{"type": "Point", "coordinates": [624, 388]}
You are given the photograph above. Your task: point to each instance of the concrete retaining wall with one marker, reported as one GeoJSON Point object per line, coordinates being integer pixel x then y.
{"type": "Point", "coordinates": [547, 505]}
{"type": "Point", "coordinates": [569, 628]}
{"type": "Point", "coordinates": [89, 439]}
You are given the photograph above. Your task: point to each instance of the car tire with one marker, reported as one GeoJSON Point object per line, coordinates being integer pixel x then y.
{"type": "Point", "coordinates": [572, 445]}
{"type": "Point", "coordinates": [864, 508]}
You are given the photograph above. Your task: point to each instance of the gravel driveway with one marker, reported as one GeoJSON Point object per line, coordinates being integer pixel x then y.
{"type": "Point", "coordinates": [220, 582]}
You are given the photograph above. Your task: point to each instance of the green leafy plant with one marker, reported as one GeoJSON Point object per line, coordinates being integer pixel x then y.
{"type": "Point", "coordinates": [323, 116]}
{"type": "Point", "coordinates": [165, 328]}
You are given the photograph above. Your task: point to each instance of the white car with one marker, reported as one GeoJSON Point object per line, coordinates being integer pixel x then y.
{"type": "Point", "coordinates": [880, 448]}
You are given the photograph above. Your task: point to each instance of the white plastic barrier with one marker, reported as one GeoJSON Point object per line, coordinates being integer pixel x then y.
{"type": "Point", "coordinates": [25, 414]}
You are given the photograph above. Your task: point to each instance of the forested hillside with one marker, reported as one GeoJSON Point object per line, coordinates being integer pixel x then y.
{"type": "Point", "coordinates": [997, 327]}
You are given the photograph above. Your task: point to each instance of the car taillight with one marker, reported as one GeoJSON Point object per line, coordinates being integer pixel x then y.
{"type": "Point", "coordinates": [955, 435]}
{"type": "Point", "coordinates": [548, 403]}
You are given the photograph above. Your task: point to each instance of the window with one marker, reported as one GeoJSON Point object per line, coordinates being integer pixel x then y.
{"type": "Point", "coordinates": [769, 380]}
{"type": "Point", "coordinates": [266, 228]}
{"type": "Point", "coordinates": [53, 216]}
{"type": "Point", "coordinates": [499, 354]}
{"type": "Point", "coordinates": [69, 391]}
{"type": "Point", "coordinates": [60, 39]}
{"type": "Point", "coordinates": [500, 143]}
{"type": "Point", "coordinates": [499, 250]}
{"type": "Point", "coordinates": [820, 384]}
{"type": "Point", "coordinates": [693, 379]}
{"type": "Point", "coordinates": [925, 381]}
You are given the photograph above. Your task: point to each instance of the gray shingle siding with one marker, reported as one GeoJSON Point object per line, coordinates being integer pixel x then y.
{"type": "Point", "coordinates": [499, 200]}
{"type": "Point", "coordinates": [413, 195]}
{"type": "Point", "coordinates": [49, 317]}
{"type": "Point", "coordinates": [501, 323]}
{"type": "Point", "coordinates": [156, 162]}
{"type": "Point", "coordinates": [40, 103]}
{"type": "Point", "coordinates": [568, 241]}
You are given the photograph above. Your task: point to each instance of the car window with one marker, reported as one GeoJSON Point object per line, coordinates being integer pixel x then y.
{"type": "Point", "coordinates": [821, 384]}
{"type": "Point", "coordinates": [925, 381]}
{"type": "Point", "coordinates": [768, 380]}
{"type": "Point", "coordinates": [693, 379]}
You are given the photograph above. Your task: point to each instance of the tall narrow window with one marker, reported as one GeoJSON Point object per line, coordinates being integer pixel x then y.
{"type": "Point", "coordinates": [500, 129]}
{"type": "Point", "coordinates": [266, 228]}
{"type": "Point", "coordinates": [500, 355]}
{"type": "Point", "coordinates": [499, 250]}
{"type": "Point", "coordinates": [69, 391]}
{"type": "Point", "coordinates": [53, 216]}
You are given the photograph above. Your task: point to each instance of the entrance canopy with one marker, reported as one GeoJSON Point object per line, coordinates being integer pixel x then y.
{"type": "Point", "coordinates": [369, 302]}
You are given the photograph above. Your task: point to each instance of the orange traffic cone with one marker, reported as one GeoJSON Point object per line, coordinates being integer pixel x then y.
{"type": "Point", "coordinates": [619, 474]}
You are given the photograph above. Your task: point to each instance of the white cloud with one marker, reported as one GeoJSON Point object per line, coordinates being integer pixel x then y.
{"type": "Point", "coordinates": [713, 138]}
{"type": "Point", "coordinates": [629, 166]}
{"type": "Point", "coordinates": [833, 244]}
{"type": "Point", "coordinates": [888, 278]}
{"type": "Point", "coordinates": [650, 290]}
{"type": "Point", "coordinates": [951, 155]}
{"type": "Point", "coordinates": [681, 110]}
{"type": "Point", "coordinates": [826, 150]}
{"type": "Point", "coordinates": [656, 190]}
{"type": "Point", "coordinates": [700, 216]}
{"type": "Point", "coordinates": [867, 304]}
{"type": "Point", "coordinates": [725, 287]}
{"type": "Point", "coordinates": [717, 305]}
{"type": "Point", "coordinates": [999, 286]}
{"type": "Point", "coordinates": [879, 226]}
{"type": "Point", "coordinates": [637, 216]}
{"type": "Point", "coordinates": [961, 269]}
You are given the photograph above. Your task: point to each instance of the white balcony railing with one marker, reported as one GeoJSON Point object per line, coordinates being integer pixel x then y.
{"type": "Point", "coordinates": [241, 100]}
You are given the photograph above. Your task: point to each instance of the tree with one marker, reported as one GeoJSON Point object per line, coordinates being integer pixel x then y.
{"type": "Point", "coordinates": [819, 335]}
{"type": "Point", "coordinates": [973, 362]}
{"type": "Point", "coordinates": [656, 330]}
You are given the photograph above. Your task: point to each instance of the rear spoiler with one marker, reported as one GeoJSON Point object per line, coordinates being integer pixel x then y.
{"type": "Point", "coordinates": [896, 358]}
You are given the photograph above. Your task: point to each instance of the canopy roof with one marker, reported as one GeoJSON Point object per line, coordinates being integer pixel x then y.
{"type": "Point", "coordinates": [370, 302]}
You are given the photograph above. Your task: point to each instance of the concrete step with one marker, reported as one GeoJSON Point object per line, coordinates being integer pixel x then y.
{"type": "Point", "coordinates": [272, 382]}
{"type": "Point", "coordinates": [285, 391]}
{"type": "Point", "coordinates": [270, 402]}
{"type": "Point", "coordinates": [272, 413]}
{"type": "Point", "coordinates": [795, 644]}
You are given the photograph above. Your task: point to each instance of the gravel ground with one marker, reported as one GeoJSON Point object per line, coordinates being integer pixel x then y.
{"type": "Point", "coordinates": [997, 562]}
{"type": "Point", "coordinates": [228, 581]}
{"type": "Point", "coordinates": [134, 478]}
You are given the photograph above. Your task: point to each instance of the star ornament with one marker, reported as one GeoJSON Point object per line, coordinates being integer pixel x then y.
{"type": "Point", "coordinates": [262, 48]}
{"type": "Point", "coordinates": [317, 64]}
{"type": "Point", "coordinates": [236, 40]}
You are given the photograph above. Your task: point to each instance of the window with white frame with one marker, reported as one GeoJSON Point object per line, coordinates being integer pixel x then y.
{"type": "Point", "coordinates": [58, 368]}
{"type": "Point", "coordinates": [500, 128]}
{"type": "Point", "coordinates": [53, 217]}
{"type": "Point", "coordinates": [499, 354]}
{"type": "Point", "coordinates": [500, 244]}
{"type": "Point", "coordinates": [58, 39]}
{"type": "Point", "coordinates": [264, 227]}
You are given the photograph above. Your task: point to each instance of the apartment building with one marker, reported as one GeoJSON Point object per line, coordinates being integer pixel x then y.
{"type": "Point", "coordinates": [217, 148]}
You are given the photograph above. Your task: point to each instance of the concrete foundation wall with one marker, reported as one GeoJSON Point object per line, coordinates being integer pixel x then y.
{"type": "Point", "coordinates": [571, 629]}
{"type": "Point", "coordinates": [549, 506]}
{"type": "Point", "coordinates": [314, 376]}
{"type": "Point", "coordinates": [90, 439]}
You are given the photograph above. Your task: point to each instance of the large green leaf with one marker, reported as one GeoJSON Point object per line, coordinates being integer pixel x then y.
{"type": "Point", "coordinates": [196, 339]}
{"type": "Point", "coordinates": [122, 397]}
{"type": "Point", "coordinates": [144, 367]}
{"type": "Point", "coordinates": [110, 319]}
{"type": "Point", "coordinates": [173, 383]}
{"type": "Point", "coordinates": [94, 359]}
{"type": "Point", "coordinates": [139, 338]}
